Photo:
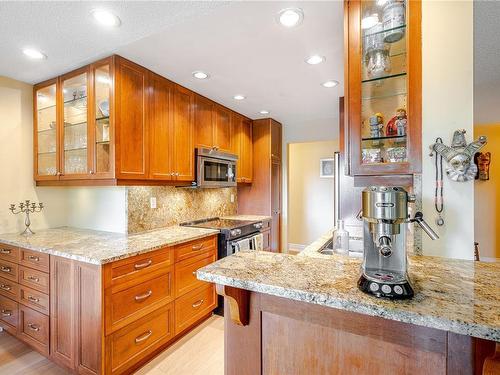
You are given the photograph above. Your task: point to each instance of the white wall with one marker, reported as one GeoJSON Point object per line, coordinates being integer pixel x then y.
{"type": "Point", "coordinates": [447, 99]}
{"type": "Point", "coordinates": [16, 162]}
{"type": "Point", "coordinates": [311, 197]}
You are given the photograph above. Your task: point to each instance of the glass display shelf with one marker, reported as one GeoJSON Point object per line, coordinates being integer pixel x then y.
{"type": "Point", "coordinates": [384, 96]}
{"type": "Point", "coordinates": [381, 32]}
{"type": "Point", "coordinates": [47, 130]}
{"type": "Point", "coordinates": [402, 137]}
{"type": "Point", "coordinates": [384, 77]}
{"type": "Point", "coordinates": [46, 152]}
{"type": "Point", "coordinates": [74, 149]}
{"type": "Point", "coordinates": [67, 102]}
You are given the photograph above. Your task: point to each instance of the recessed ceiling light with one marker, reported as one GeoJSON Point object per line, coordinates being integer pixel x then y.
{"type": "Point", "coordinates": [239, 97]}
{"type": "Point", "coordinates": [264, 112]}
{"type": "Point", "coordinates": [315, 59]}
{"type": "Point", "coordinates": [329, 84]}
{"type": "Point", "coordinates": [106, 18]}
{"type": "Point", "coordinates": [369, 21]}
{"type": "Point", "coordinates": [200, 75]}
{"type": "Point", "coordinates": [34, 54]}
{"type": "Point", "coordinates": [290, 17]}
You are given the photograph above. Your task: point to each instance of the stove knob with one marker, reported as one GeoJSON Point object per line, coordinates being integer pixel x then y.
{"type": "Point", "coordinates": [386, 289]}
{"type": "Point", "coordinates": [235, 232]}
{"type": "Point", "coordinates": [258, 225]}
{"type": "Point", "coordinates": [398, 290]}
{"type": "Point", "coordinates": [374, 287]}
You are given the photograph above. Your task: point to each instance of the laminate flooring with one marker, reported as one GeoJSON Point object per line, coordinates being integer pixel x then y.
{"type": "Point", "coordinates": [200, 352]}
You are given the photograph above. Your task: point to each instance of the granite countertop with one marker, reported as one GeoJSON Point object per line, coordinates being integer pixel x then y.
{"type": "Point", "coordinates": [452, 295]}
{"type": "Point", "coordinates": [247, 217]}
{"type": "Point", "coordinates": [98, 247]}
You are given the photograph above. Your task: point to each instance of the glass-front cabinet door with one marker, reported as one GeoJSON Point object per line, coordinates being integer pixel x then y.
{"type": "Point", "coordinates": [384, 89]}
{"type": "Point", "coordinates": [75, 113]}
{"type": "Point", "coordinates": [46, 132]}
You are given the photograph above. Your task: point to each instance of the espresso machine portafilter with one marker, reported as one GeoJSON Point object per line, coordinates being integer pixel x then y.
{"type": "Point", "coordinates": [385, 216]}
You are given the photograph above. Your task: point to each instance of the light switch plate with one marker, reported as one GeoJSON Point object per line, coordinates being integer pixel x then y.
{"type": "Point", "coordinates": [152, 202]}
{"type": "Point", "coordinates": [232, 198]}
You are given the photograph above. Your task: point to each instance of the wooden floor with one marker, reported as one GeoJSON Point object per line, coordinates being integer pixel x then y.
{"type": "Point", "coordinates": [201, 352]}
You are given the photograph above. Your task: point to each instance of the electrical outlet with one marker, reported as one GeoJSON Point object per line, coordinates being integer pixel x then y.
{"type": "Point", "coordinates": [152, 202]}
{"type": "Point", "coordinates": [232, 198]}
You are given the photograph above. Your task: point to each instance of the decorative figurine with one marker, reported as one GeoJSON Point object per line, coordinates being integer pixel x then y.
{"type": "Point", "coordinates": [483, 161]}
{"type": "Point", "coordinates": [459, 156]}
{"type": "Point", "coordinates": [377, 125]}
{"type": "Point", "coordinates": [401, 121]}
{"type": "Point", "coordinates": [26, 208]}
{"type": "Point", "coordinates": [391, 128]}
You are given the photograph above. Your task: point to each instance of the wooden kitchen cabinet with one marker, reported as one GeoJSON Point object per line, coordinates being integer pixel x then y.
{"type": "Point", "coordinates": [212, 125]}
{"type": "Point", "coordinates": [383, 78]}
{"type": "Point", "coordinates": [222, 128]}
{"type": "Point", "coordinates": [241, 145]}
{"type": "Point", "coordinates": [183, 134]}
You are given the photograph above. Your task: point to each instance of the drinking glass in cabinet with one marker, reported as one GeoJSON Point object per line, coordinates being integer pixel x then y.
{"type": "Point", "coordinates": [102, 84]}
{"type": "Point", "coordinates": [46, 130]}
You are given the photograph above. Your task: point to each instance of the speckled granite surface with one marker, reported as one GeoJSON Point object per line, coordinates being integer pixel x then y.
{"type": "Point", "coordinates": [247, 217]}
{"type": "Point", "coordinates": [102, 247]}
{"type": "Point", "coordinates": [452, 295]}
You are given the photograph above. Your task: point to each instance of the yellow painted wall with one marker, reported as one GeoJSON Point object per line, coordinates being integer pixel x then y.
{"type": "Point", "coordinates": [487, 196]}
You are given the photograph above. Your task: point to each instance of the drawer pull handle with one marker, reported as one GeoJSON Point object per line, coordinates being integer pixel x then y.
{"type": "Point", "coordinates": [198, 247]}
{"type": "Point", "coordinates": [197, 303]}
{"type": "Point", "coordinates": [6, 269]}
{"type": "Point", "coordinates": [5, 287]}
{"type": "Point", "coordinates": [5, 251]}
{"type": "Point", "coordinates": [33, 258]}
{"type": "Point", "coordinates": [144, 296]}
{"type": "Point", "coordinates": [33, 299]}
{"type": "Point", "coordinates": [33, 327]}
{"type": "Point", "coordinates": [194, 273]}
{"type": "Point", "coordinates": [33, 278]}
{"type": "Point", "coordinates": [143, 337]}
{"type": "Point", "coordinates": [6, 313]}
{"type": "Point", "coordinates": [143, 265]}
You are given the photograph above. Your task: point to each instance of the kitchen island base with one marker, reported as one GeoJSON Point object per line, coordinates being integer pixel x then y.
{"type": "Point", "coordinates": [284, 336]}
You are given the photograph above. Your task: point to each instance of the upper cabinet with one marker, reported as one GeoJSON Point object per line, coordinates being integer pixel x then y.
{"type": "Point", "coordinates": [383, 87]}
{"type": "Point", "coordinates": [115, 122]}
{"type": "Point", "coordinates": [241, 145]}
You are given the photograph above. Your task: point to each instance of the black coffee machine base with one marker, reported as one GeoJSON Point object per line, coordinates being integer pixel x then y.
{"type": "Point", "coordinates": [380, 289]}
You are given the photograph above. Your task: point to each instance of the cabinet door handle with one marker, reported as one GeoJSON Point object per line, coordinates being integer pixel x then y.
{"type": "Point", "coordinates": [6, 312]}
{"type": "Point", "coordinates": [5, 287]}
{"type": "Point", "coordinates": [197, 247]}
{"type": "Point", "coordinates": [140, 266]}
{"type": "Point", "coordinates": [33, 299]}
{"type": "Point", "coordinates": [5, 251]}
{"type": "Point", "coordinates": [143, 337]}
{"type": "Point", "coordinates": [197, 303]}
{"type": "Point", "coordinates": [6, 269]}
{"type": "Point", "coordinates": [33, 278]}
{"type": "Point", "coordinates": [194, 273]}
{"type": "Point", "coordinates": [144, 296]}
{"type": "Point", "coordinates": [33, 327]}
{"type": "Point", "coordinates": [33, 258]}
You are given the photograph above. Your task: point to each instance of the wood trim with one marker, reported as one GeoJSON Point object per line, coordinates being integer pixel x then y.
{"type": "Point", "coordinates": [492, 363]}
{"type": "Point", "coordinates": [238, 301]}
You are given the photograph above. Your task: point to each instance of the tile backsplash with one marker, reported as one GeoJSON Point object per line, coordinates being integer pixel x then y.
{"type": "Point", "coordinates": [175, 205]}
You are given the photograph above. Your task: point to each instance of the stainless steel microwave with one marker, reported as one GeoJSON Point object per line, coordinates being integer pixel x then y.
{"type": "Point", "coordinates": [215, 168]}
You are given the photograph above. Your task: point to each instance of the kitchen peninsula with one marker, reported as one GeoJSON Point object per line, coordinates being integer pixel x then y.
{"type": "Point", "coordinates": [305, 312]}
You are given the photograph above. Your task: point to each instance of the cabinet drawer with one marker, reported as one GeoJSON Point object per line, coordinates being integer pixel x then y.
{"type": "Point", "coordinates": [36, 300]}
{"type": "Point", "coordinates": [34, 279]}
{"type": "Point", "coordinates": [193, 306]}
{"type": "Point", "coordinates": [9, 253]}
{"type": "Point", "coordinates": [9, 288]}
{"type": "Point", "coordinates": [9, 314]}
{"type": "Point", "coordinates": [129, 304]}
{"type": "Point", "coordinates": [34, 329]}
{"type": "Point", "coordinates": [130, 269]}
{"type": "Point", "coordinates": [9, 270]}
{"type": "Point", "coordinates": [207, 246]}
{"type": "Point", "coordinates": [185, 275]}
{"type": "Point", "coordinates": [34, 259]}
{"type": "Point", "coordinates": [132, 343]}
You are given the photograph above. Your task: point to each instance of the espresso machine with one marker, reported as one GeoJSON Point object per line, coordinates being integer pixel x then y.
{"type": "Point", "coordinates": [385, 221]}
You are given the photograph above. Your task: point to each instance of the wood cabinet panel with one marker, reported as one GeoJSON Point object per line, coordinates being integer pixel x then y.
{"type": "Point", "coordinates": [267, 240]}
{"type": "Point", "coordinates": [132, 154]}
{"type": "Point", "coordinates": [9, 288]}
{"type": "Point", "coordinates": [222, 129]}
{"type": "Point", "coordinates": [276, 206]}
{"type": "Point", "coordinates": [183, 134]}
{"type": "Point", "coordinates": [161, 116]}
{"type": "Point", "coordinates": [236, 125]}
{"type": "Point", "coordinates": [276, 139]}
{"type": "Point", "coordinates": [185, 274]}
{"type": "Point", "coordinates": [9, 315]}
{"type": "Point", "coordinates": [9, 270]}
{"type": "Point", "coordinates": [31, 278]}
{"type": "Point", "coordinates": [206, 246]}
{"type": "Point", "coordinates": [34, 299]}
{"type": "Point", "coordinates": [9, 253]}
{"type": "Point", "coordinates": [204, 122]}
{"type": "Point", "coordinates": [246, 154]}
{"type": "Point", "coordinates": [130, 345]}
{"type": "Point", "coordinates": [34, 259]}
{"type": "Point", "coordinates": [34, 329]}
{"type": "Point", "coordinates": [193, 306]}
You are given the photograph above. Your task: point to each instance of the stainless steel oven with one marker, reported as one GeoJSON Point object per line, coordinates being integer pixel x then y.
{"type": "Point", "coordinates": [215, 168]}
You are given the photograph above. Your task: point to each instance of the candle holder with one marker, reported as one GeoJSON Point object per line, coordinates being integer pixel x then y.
{"type": "Point", "coordinates": [27, 208]}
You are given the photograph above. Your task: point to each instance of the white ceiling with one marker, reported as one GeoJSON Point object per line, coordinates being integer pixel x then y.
{"type": "Point", "coordinates": [239, 43]}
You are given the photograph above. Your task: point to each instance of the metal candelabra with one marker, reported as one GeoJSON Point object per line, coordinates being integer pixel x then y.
{"type": "Point", "coordinates": [28, 208]}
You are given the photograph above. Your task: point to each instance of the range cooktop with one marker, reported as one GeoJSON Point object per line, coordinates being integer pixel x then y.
{"type": "Point", "coordinates": [217, 223]}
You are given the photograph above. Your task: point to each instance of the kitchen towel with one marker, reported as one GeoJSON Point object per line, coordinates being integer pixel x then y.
{"type": "Point", "coordinates": [243, 245]}
{"type": "Point", "coordinates": [258, 242]}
